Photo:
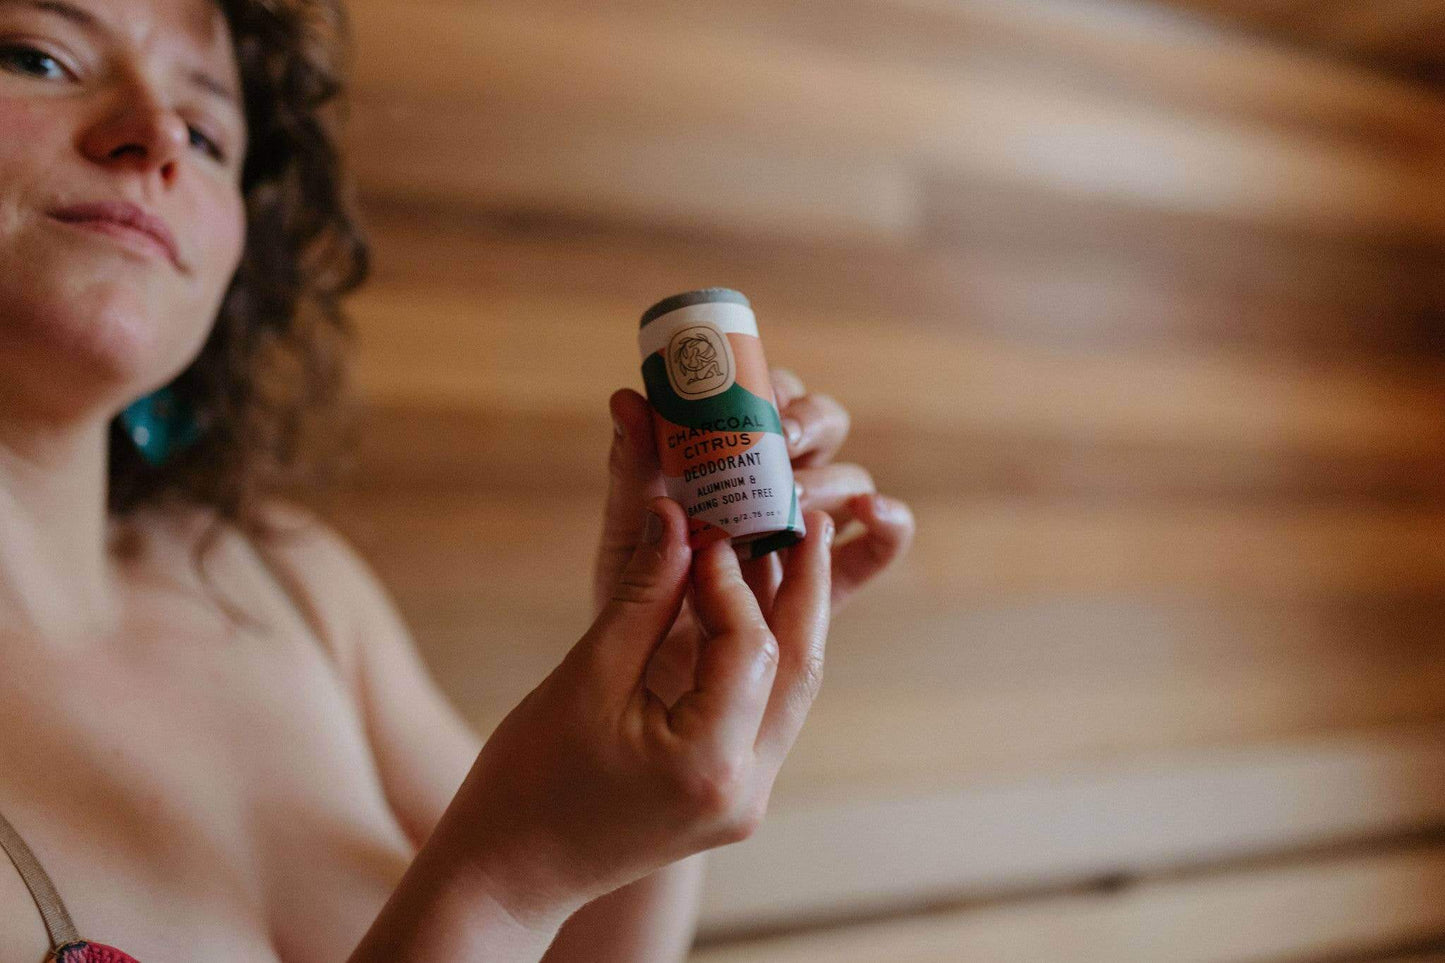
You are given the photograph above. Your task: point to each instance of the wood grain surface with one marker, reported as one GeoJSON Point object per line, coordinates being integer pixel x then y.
{"type": "Point", "coordinates": [1253, 914]}
{"type": "Point", "coordinates": [1407, 36]}
{"type": "Point", "coordinates": [1144, 316]}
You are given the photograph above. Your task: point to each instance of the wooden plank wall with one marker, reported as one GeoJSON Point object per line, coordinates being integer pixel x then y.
{"type": "Point", "coordinates": [1145, 320]}
{"type": "Point", "coordinates": [1407, 36]}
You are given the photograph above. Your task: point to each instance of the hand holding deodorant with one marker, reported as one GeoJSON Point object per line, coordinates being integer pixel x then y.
{"type": "Point", "coordinates": [719, 436]}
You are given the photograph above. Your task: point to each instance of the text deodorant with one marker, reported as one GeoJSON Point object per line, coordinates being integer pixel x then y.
{"type": "Point", "coordinates": [719, 436]}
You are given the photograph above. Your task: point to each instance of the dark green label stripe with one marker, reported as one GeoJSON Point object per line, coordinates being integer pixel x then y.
{"type": "Point", "coordinates": [771, 543]}
{"type": "Point", "coordinates": [736, 402]}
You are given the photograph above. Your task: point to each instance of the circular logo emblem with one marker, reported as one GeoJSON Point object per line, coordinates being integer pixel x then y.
{"type": "Point", "coordinates": [700, 362]}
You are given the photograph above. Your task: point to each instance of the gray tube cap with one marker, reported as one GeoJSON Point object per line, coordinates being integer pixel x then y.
{"type": "Point", "coordinates": [700, 296]}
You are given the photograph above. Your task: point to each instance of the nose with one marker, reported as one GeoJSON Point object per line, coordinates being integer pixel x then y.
{"type": "Point", "coordinates": [139, 133]}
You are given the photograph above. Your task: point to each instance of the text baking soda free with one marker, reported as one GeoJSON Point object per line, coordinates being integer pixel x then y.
{"type": "Point", "coordinates": [719, 436]}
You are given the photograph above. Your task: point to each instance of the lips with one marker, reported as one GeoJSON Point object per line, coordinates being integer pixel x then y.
{"type": "Point", "coordinates": [122, 218]}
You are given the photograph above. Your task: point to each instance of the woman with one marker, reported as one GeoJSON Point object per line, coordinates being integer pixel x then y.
{"type": "Point", "coordinates": [215, 734]}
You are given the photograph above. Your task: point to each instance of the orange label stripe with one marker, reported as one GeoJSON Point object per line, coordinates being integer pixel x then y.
{"type": "Point", "coordinates": [681, 448]}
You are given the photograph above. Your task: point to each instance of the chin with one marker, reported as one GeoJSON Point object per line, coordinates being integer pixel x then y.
{"type": "Point", "coordinates": [101, 342]}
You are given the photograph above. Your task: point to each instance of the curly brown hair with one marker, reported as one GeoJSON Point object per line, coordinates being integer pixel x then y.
{"type": "Point", "coordinates": [270, 382]}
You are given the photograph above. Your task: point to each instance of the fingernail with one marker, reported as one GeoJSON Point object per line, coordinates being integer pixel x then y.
{"type": "Point", "coordinates": [885, 507]}
{"type": "Point", "coordinates": [829, 530]}
{"type": "Point", "coordinates": [617, 429]}
{"type": "Point", "coordinates": [653, 528]}
{"type": "Point", "coordinates": [798, 491]}
{"type": "Point", "coordinates": [793, 430]}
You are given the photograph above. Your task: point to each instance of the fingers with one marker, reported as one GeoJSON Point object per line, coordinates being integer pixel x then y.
{"type": "Point", "coordinates": [634, 477]}
{"type": "Point", "coordinates": [816, 426]}
{"type": "Point", "coordinates": [634, 441]}
{"type": "Point", "coordinates": [888, 528]}
{"type": "Point", "coordinates": [763, 575]}
{"type": "Point", "coordinates": [800, 623]}
{"type": "Point", "coordinates": [737, 662]}
{"type": "Point", "coordinates": [822, 428]}
{"type": "Point", "coordinates": [643, 605]}
{"type": "Point", "coordinates": [672, 669]}
{"type": "Point", "coordinates": [787, 387]}
{"type": "Point", "coordinates": [831, 488]}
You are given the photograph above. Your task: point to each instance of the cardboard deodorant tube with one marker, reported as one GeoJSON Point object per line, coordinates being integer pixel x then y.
{"type": "Point", "coordinates": [719, 436]}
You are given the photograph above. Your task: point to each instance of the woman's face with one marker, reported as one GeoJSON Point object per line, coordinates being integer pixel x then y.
{"type": "Point", "coordinates": [121, 220]}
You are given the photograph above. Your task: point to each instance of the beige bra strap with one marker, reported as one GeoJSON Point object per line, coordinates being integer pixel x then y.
{"type": "Point", "coordinates": [52, 910]}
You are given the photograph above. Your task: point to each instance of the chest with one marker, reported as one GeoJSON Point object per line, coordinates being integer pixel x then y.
{"type": "Point", "coordinates": [197, 795]}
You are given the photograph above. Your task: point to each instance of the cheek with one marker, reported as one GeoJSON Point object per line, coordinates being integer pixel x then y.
{"type": "Point", "coordinates": [223, 221]}
{"type": "Point", "coordinates": [26, 153]}
{"type": "Point", "coordinates": [26, 123]}
{"type": "Point", "coordinates": [222, 233]}
{"type": "Point", "coordinates": [229, 234]}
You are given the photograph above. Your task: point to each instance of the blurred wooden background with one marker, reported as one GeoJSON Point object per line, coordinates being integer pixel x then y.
{"type": "Point", "coordinates": [1405, 36]}
{"type": "Point", "coordinates": [1141, 309]}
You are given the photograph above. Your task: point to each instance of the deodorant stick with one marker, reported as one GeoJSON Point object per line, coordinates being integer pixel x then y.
{"type": "Point", "coordinates": [719, 436]}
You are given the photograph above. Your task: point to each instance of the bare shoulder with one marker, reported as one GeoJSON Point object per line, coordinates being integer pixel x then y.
{"type": "Point", "coordinates": [328, 579]}
{"type": "Point", "coordinates": [422, 745]}
{"type": "Point", "coordinates": [297, 562]}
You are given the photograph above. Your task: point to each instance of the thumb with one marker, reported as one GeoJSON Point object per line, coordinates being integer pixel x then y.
{"type": "Point", "coordinates": [634, 477]}
{"type": "Point", "coordinates": [645, 601]}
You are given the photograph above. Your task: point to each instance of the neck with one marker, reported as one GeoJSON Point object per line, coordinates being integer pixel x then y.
{"type": "Point", "coordinates": [57, 577]}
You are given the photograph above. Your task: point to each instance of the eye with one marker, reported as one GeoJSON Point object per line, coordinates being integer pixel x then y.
{"type": "Point", "coordinates": [23, 59]}
{"type": "Point", "coordinates": [209, 146]}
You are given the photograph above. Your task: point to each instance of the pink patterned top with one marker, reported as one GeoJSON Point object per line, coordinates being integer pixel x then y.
{"type": "Point", "coordinates": [66, 944]}
{"type": "Point", "coordinates": [83, 952]}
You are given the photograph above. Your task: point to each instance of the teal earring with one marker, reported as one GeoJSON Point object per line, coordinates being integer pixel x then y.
{"type": "Point", "coordinates": [160, 424]}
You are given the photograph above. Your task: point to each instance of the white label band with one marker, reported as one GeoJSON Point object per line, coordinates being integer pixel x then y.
{"type": "Point", "coordinates": [725, 316]}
